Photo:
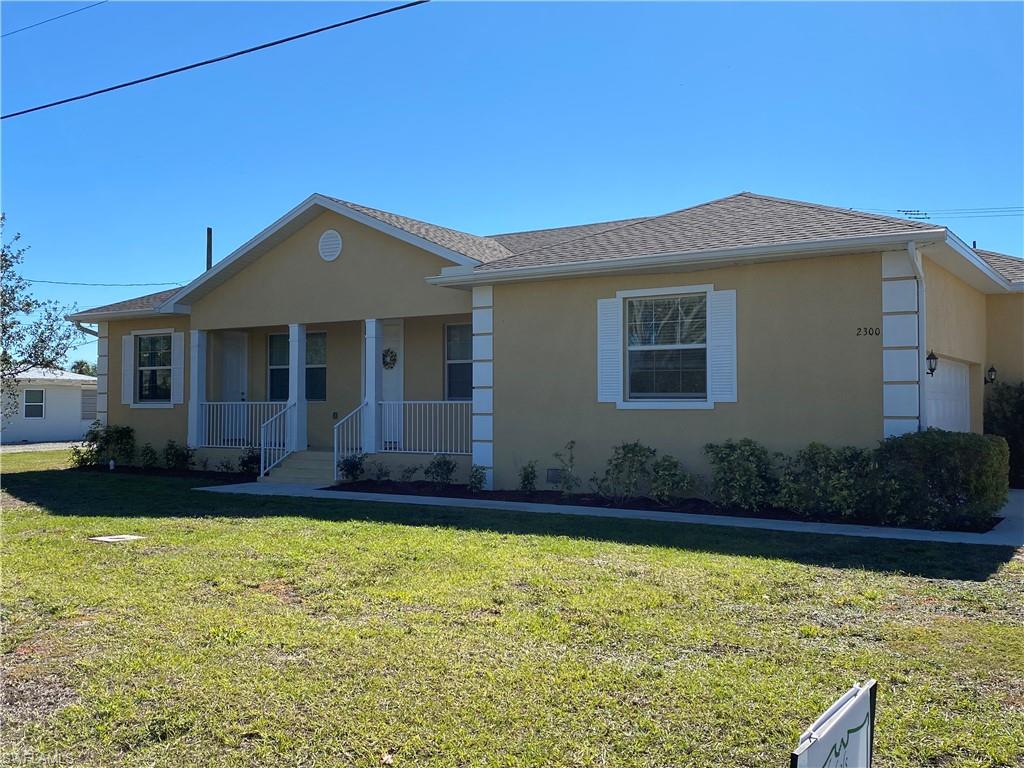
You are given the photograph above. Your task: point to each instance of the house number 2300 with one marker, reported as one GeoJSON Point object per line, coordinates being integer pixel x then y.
{"type": "Point", "coordinates": [869, 331]}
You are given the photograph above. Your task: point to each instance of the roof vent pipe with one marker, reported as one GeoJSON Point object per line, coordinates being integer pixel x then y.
{"type": "Point", "coordinates": [974, 244]}
{"type": "Point", "coordinates": [209, 247]}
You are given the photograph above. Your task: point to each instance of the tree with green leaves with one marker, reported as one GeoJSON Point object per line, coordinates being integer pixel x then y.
{"type": "Point", "coordinates": [33, 332]}
{"type": "Point", "coordinates": [83, 367]}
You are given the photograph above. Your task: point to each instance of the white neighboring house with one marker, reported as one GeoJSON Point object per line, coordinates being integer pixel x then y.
{"type": "Point", "coordinates": [53, 405]}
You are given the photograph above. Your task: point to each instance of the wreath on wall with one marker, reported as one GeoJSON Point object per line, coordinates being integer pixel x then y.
{"type": "Point", "coordinates": [389, 358]}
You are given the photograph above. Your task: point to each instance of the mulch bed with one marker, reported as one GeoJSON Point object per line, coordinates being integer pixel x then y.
{"type": "Point", "coordinates": [687, 506]}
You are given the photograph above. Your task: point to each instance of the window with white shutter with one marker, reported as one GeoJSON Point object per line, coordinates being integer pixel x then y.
{"type": "Point", "coordinates": [667, 348]}
{"type": "Point", "coordinates": [153, 369]}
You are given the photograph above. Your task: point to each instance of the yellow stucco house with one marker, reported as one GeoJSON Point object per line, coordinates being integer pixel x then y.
{"type": "Point", "coordinates": [341, 328]}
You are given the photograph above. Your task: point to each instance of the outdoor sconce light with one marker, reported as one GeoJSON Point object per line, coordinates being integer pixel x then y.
{"type": "Point", "coordinates": [990, 375]}
{"type": "Point", "coordinates": [933, 363]}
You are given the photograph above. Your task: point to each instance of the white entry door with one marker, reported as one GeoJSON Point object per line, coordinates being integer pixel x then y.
{"type": "Point", "coordinates": [948, 397]}
{"type": "Point", "coordinates": [233, 376]}
{"type": "Point", "coordinates": [392, 365]}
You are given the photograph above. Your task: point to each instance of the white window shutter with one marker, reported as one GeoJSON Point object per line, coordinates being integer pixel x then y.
{"type": "Point", "coordinates": [722, 347]}
{"type": "Point", "coordinates": [609, 350]}
{"type": "Point", "coordinates": [177, 368]}
{"type": "Point", "coordinates": [127, 369]}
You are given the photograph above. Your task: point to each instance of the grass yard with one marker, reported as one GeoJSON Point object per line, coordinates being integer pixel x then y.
{"type": "Point", "coordinates": [265, 631]}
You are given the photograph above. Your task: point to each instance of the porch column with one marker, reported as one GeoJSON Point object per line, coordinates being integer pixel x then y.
{"type": "Point", "coordinates": [483, 382]}
{"type": "Point", "coordinates": [196, 388]}
{"type": "Point", "coordinates": [297, 437]}
{"type": "Point", "coordinates": [372, 384]}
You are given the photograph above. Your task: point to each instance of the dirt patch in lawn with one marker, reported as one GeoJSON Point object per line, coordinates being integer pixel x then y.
{"type": "Point", "coordinates": [691, 506]}
{"type": "Point", "coordinates": [282, 590]}
{"type": "Point", "coordinates": [31, 688]}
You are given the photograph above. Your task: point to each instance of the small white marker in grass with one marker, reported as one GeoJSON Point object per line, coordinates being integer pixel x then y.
{"type": "Point", "coordinates": [116, 539]}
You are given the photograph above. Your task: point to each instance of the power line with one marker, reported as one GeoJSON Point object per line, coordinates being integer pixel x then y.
{"type": "Point", "coordinates": [52, 18]}
{"type": "Point", "coordinates": [102, 285]}
{"type": "Point", "coordinates": [215, 60]}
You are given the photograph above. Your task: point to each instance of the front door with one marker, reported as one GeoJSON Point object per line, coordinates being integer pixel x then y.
{"type": "Point", "coordinates": [234, 362]}
{"type": "Point", "coordinates": [392, 365]}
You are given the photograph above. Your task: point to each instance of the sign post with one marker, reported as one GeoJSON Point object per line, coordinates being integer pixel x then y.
{"type": "Point", "coordinates": [843, 736]}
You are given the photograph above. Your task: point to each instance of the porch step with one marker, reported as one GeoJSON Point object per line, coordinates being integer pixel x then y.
{"type": "Point", "coordinates": [312, 468]}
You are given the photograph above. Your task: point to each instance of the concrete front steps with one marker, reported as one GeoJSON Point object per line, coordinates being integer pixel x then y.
{"type": "Point", "coordinates": [312, 468]}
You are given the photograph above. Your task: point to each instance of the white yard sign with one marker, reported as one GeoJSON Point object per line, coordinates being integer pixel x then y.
{"type": "Point", "coordinates": [843, 736]}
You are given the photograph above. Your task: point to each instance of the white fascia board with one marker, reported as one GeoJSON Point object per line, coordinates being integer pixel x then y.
{"type": "Point", "coordinates": [124, 314]}
{"type": "Point", "coordinates": [707, 259]}
{"type": "Point", "coordinates": [183, 296]}
{"type": "Point", "coordinates": [979, 263]}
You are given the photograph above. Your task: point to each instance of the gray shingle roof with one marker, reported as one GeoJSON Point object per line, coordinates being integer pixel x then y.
{"type": "Point", "coordinates": [1009, 267]}
{"type": "Point", "coordinates": [54, 374]}
{"type": "Point", "coordinates": [139, 303]}
{"type": "Point", "coordinates": [482, 249]}
{"type": "Point", "coordinates": [518, 242]}
{"type": "Point", "coordinates": [744, 219]}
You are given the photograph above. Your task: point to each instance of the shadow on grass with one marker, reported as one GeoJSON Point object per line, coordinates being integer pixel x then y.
{"type": "Point", "coordinates": [95, 494]}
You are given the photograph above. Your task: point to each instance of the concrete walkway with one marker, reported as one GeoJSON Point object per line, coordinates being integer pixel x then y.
{"type": "Point", "coordinates": [1010, 532]}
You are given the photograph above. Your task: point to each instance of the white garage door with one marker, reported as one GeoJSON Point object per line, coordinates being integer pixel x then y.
{"type": "Point", "coordinates": [948, 397]}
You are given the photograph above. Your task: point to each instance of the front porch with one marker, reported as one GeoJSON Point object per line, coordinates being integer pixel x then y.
{"type": "Point", "coordinates": [378, 386]}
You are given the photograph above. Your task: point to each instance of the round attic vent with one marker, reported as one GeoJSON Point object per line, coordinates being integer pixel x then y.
{"type": "Point", "coordinates": [330, 245]}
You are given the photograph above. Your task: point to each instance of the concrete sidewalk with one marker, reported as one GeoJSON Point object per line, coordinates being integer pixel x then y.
{"type": "Point", "coordinates": [1010, 532]}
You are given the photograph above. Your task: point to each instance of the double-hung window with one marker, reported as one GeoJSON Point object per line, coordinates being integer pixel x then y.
{"type": "Point", "coordinates": [153, 368]}
{"type": "Point", "coordinates": [35, 403]}
{"type": "Point", "coordinates": [316, 366]}
{"type": "Point", "coordinates": [667, 347]}
{"type": "Point", "coordinates": [458, 362]}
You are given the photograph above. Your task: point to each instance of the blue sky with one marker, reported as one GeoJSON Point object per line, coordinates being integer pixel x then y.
{"type": "Point", "coordinates": [492, 117]}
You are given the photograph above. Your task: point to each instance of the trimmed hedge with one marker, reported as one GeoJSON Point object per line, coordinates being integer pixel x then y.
{"type": "Point", "coordinates": [931, 479]}
{"type": "Point", "coordinates": [938, 479]}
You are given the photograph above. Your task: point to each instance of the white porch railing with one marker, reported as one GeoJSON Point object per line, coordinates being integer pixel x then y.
{"type": "Point", "coordinates": [274, 439]}
{"type": "Point", "coordinates": [235, 425]}
{"type": "Point", "coordinates": [348, 436]}
{"type": "Point", "coordinates": [425, 426]}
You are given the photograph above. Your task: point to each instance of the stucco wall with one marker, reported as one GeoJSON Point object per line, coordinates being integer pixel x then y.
{"type": "Point", "coordinates": [376, 276]}
{"type": "Point", "coordinates": [1005, 321]}
{"type": "Point", "coordinates": [151, 425]}
{"type": "Point", "coordinates": [62, 418]}
{"type": "Point", "coordinates": [803, 373]}
{"type": "Point", "coordinates": [956, 328]}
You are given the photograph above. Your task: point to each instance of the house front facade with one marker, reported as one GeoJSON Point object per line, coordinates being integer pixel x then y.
{"type": "Point", "coordinates": [49, 405]}
{"type": "Point", "coordinates": [343, 329]}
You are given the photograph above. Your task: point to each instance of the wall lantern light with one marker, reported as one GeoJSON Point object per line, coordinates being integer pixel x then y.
{"type": "Point", "coordinates": [990, 375]}
{"type": "Point", "coordinates": [933, 363]}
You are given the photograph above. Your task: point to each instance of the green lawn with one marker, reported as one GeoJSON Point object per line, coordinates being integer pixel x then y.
{"type": "Point", "coordinates": [247, 631]}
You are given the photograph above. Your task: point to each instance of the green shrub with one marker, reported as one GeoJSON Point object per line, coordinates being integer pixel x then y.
{"type": "Point", "coordinates": [627, 474]}
{"type": "Point", "coordinates": [148, 458]}
{"type": "Point", "coordinates": [670, 482]}
{"type": "Point", "coordinates": [179, 457]}
{"type": "Point", "coordinates": [743, 475]}
{"type": "Point", "coordinates": [407, 474]}
{"type": "Point", "coordinates": [351, 466]}
{"type": "Point", "coordinates": [249, 461]}
{"type": "Point", "coordinates": [225, 465]}
{"type": "Point", "coordinates": [440, 469]}
{"type": "Point", "coordinates": [823, 483]}
{"type": "Point", "coordinates": [528, 477]}
{"type": "Point", "coordinates": [477, 478]}
{"type": "Point", "coordinates": [103, 443]}
{"type": "Point", "coordinates": [939, 479]}
{"type": "Point", "coordinates": [1004, 416]}
{"type": "Point", "coordinates": [568, 480]}
{"type": "Point", "coordinates": [378, 471]}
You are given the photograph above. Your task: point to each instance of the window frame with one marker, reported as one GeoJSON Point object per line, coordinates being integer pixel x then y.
{"type": "Point", "coordinates": [25, 403]}
{"type": "Point", "coordinates": [287, 366]}
{"type": "Point", "coordinates": [137, 400]}
{"type": "Point", "coordinates": [271, 367]}
{"type": "Point", "coordinates": [665, 403]}
{"type": "Point", "coordinates": [468, 361]}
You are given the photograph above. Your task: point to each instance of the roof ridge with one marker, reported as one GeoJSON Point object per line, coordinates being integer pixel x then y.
{"type": "Point", "coordinates": [628, 223]}
{"type": "Point", "coordinates": [837, 209]}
